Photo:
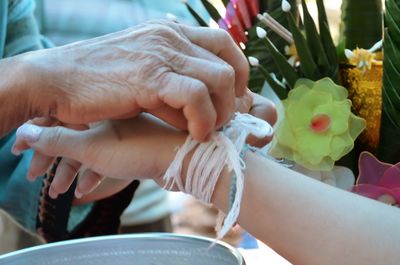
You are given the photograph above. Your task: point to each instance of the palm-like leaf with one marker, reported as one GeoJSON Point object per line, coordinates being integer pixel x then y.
{"type": "Point", "coordinates": [256, 47]}
{"type": "Point", "coordinates": [315, 50]}
{"type": "Point", "coordinates": [361, 23]}
{"type": "Point", "coordinates": [389, 146]}
{"type": "Point", "coordinates": [241, 17]}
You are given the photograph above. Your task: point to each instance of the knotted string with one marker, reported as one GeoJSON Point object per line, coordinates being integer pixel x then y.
{"type": "Point", "coordinates": [210, 158]}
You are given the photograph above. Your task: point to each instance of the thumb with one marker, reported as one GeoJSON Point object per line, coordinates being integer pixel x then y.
{"type": "Point", "coordinates": [52, 141]}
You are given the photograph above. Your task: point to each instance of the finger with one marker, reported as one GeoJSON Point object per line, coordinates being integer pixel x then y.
{"type": "Point", "coordinates": [219, 79]}
{"type": "Point", "coordinates": [20, 146]}
{"type": "Point", "coordinates": [264, 109]}
{"type": "Point", "coordinates": [66, 173]}
{"type": "Point", "coordinates": [192, 96]}
{"type": "Point", "coordinates": [258, 142]}
{"type": "Point", "coordinates": [54, 141]}
{"type": "Point", "coordinates": [88, 181]}
{"type": "Point", "coordinates": [40, 164]}
{"type": "Point", "coordinates": [220, 43]}
{"type": "Point", "coordinates": [259, 107]}
{"type": "Point", "coordinates": [172, 116]}
{"type": "Point", "coordinates": [107, 188]}
{"type": "Point", "coordinates": [244, 103]}
{"type": "Point", "coordinates": [129, 115]}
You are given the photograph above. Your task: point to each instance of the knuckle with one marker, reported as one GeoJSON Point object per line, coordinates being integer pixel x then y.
{"type": "Point", "coordinates": [223, 35]}
{"type": "Point", "coordinates": [225, 114]}
{"type": "Point", "coordinates": [228, 74]}
{"type": "Point", "coordinates": [158, 22]}
{"type": "Point", "coordinates": [177, 61]}
{"type": "Point", "coordinates": [197, 91]}
{"type": "Point", "coordinates": [56, 138]}
{"type": "Point", "coordinates": [167, 33]}
{"type": "Point", "coordinates": [71, 166]}
{"type": "Point", "coordinates": [243, 67]}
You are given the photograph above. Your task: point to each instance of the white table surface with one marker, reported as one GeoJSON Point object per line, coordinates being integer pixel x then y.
{"type": "Point", "coordinates": [264, 255]}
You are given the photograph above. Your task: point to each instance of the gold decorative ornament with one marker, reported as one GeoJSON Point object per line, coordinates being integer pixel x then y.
{"type": "Point", "coordinates": [365, 91]}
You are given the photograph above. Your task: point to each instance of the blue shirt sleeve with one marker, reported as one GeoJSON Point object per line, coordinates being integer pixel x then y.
{"type": "Point", "coordinates": [22, 31]}
{"type": "Point", "coordinates": [19, 197]}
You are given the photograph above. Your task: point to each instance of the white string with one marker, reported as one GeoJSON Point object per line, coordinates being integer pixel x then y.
{"type": "Point", "coordinates": [209, 159]}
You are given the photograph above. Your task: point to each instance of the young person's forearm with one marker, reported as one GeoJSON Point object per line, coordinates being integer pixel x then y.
{"type": "Point", "coordinates": [309, 222]}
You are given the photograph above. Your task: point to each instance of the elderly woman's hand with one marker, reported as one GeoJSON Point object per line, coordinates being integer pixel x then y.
{"type": "Point", "coordinates": [126, 150]}
{"type": "Point", "coordinates": [186, 76]}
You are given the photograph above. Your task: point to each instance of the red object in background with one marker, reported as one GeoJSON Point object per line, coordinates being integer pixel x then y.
{"type": "Point", "coordinates": [233, 16]}
{"type": "Point", "coordinates": [254, 7]}
{"type": "Point", "coordinates": [237, 34]}
{"type": "Point", "coordinates": [242, 12]}
{"type": "Point", "coordinates": [239, 14]}
{"type": "Point", "coordinates": [234, 24]}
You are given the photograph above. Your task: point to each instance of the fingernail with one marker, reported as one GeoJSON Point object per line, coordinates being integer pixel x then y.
{"type": "Point", "coordinates": [29, 132]}
{"type": "Point", "coordinates": [78, 194]}
{"type": "Point", "coordinates": [31, 177]}
{"type": "Point", "coordinates": [53, 194]}
{"type": "Point", "coordinates": [94, 187]}
{"type": "Point", "coordinates": [15, 151]}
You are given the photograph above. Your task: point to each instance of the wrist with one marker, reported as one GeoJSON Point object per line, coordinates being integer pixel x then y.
{"type": "Point", "coordinates": [220, 197]}
{"type": "Point", "coordinates": [38, 96]}
{"type": "Point", "coordinates": [15, 89]}
{"type": "Point", "coordinates": [168, 151]}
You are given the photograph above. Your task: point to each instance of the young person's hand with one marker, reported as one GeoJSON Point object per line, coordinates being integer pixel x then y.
{"type": "Point", "coordinates": [126, 149]}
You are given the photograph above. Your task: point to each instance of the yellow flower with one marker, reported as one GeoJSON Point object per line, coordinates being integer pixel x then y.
{"type": "Point", "coordinates": [362, 58]}
{"type": "Point", "coordinates": [318, 127]}
{"type": "Point", "coordinates": [291, 51]}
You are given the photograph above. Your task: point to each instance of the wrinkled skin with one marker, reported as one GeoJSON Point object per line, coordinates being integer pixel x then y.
{"type": "Point", "coordinates": [186, 76]}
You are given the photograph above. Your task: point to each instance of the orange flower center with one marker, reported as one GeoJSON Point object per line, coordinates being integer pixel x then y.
{"type": "Point", "coordinates": [320, 123]}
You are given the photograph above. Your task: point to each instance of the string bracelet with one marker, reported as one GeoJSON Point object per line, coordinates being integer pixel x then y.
{"type": "Point", "coordinates": [226, 148]}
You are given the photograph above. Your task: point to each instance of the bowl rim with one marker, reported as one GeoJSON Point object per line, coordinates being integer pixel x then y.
{"type": "Point", "coordinates": [234, 251]}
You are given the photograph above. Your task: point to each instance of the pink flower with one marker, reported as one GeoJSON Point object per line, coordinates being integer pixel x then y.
{"type": "Point", "coordinates": [378, 180]}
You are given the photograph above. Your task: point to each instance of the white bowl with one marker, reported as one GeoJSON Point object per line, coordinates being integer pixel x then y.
{"type": "Point", "coordinates": [137, 249]}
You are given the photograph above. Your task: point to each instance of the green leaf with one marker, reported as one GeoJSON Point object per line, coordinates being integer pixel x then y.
{"type": "Point", "coordinates": [390, 112]}
{"type": "Point", "coordinates": [392, 7]}
{"type": "Point", "coordinates": [389, 146]}
{"type": "Point", "coordinates": [322, 17]}
{"type": "Point", "coordinates": [392, 96]}
{"type": "Point", "coordinates": [280, 91]}
{"type": "Point", "coordinates": [392, 26]}
{"type": "Point", "coordinates": [361, 23]}
{"type": "Point", "coordinates": [389, 150]}
{"type": "Point", "coordinates": [327, 41]}
{"type": "Point", "coordinates": [281, 62]}
{"type": "Point", "coordinates": [307, 65]}
{"type": "Point", "coordinates": [211, 10]}
{"type": "Point", "coordinates": [314, 41]}
{"type": "Point", "coordinates": [391, 49]}
{"type": "Point", "coordinates": [196, 15]}
{"type": "Point", "coordinates": [392, 100]}
{"type": "Point", "coordinates": [255, 47]}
